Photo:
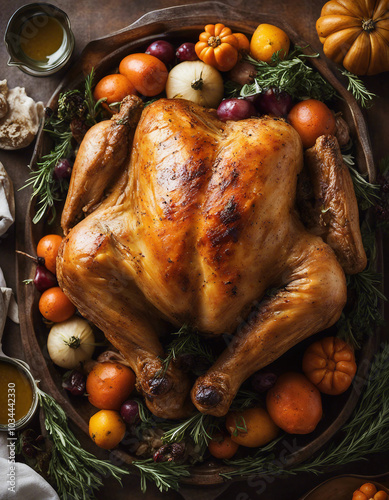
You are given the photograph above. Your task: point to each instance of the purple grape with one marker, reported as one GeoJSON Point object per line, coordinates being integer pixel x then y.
{"type": "Point", "coordinates": [186, 52]}
{"type": "Point", "coordinates": [44, 279]}
{"type": "Point", "coordinates": [263, 381]}
{"type": "Point", "coordinates": [274, 102]}
{"type": "Point", "coordinates": [162, 50]}
{"type": "Point", "coordinates": [75, 383]}
{"type": "Point", "coordinates": [235, 109]}
{"type": "Point", "coordinates": [130, 411]}
{"type": "Point", "coordinates": [63, 169]}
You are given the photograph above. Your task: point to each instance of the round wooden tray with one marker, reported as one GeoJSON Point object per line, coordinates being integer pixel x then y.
{"type": "Point", "coordinates": [179, 24]}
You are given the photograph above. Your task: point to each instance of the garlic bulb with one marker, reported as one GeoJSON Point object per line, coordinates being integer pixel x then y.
{"type": "Point", "coordinates": [197, 82]}
{"type": "Point", "coordinates": [71, 342]}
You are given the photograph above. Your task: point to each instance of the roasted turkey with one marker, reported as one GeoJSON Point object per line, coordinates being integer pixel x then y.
{"type": "Point", "coordinates": [190, 220]}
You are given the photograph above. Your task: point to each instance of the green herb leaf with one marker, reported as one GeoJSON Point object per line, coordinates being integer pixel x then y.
{"type": "Point", "coordinates": [165, 475]}
{"type": "Point", "coordinates": [292, 74]}
{"type": "Point", "coordinates": [198, 428]}
{"type": "Point", "coordinates": [358, 89]}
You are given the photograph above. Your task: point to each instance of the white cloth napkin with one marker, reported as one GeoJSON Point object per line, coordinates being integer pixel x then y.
{"type": "Point", "coordinates": [28, 484]}
{"type": "Point", "coordinates": [7, 202]}
{"type": "Point", "coordinates": [17, 480]}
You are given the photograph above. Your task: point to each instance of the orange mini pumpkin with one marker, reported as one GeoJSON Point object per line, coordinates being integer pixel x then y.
{"type": "Point", "coordinates": [330, 365]}
{"type": "Point", "coordinates": [369, 492]}
{"type": "Point", "coordinates": [355, 33]}
{"type": "Point", "coordinates": [218, 47]}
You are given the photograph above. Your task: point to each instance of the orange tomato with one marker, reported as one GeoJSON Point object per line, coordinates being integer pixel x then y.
{"type": "Point", "coordinates": [55, 306]}
{"type": "Point", "coordinates": [252, 427]}
{"type": "Point", "coordinates": [114, 88]}
{"type": "Point", "coordinates": [47, 248]}
{"type": "Point", "coordinates": [222, 446]}
{"type": "Point", "coordinates": [311, 119]}
{"type": "Point", "coordinates": [107, 429]}
{"type": "Point", "coordinates": [109, 384]}
{"type": "Point", "coordinates": [294, 403]}
{"type": "Point", "coordinates": [267, 40]}
{"type": "Point", "coordinates": [146, 73]}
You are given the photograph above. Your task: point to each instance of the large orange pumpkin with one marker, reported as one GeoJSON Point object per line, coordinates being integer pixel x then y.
{"type": "Point", "coordinates": [355, 33]}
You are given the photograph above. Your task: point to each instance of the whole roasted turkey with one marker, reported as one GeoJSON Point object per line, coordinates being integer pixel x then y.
{"type": "Point", "coordinates": [190, 221]}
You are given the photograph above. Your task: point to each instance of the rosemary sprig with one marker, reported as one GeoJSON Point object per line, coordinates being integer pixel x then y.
{"type": "Point", "coordinates": [197, 428]}
{"type": "Point", "coordinates": [292, 74]}
{"type": "Point", "coordinates": [45, 188]}
{"type": "Point", "coordinates": [187, 341]}
{"type": "Point", "coordinates": [367, 193]}
{"type": "Point", "coordinates": [363, 314]}
{"type": "Point", "coordinates": [76, 472]}
{"type": "Point", "coordinates": [165, 475]}
{"type": "Point", "coordinates": [253, 464]}
{"type": "Point", "coordinates": [358, 89]}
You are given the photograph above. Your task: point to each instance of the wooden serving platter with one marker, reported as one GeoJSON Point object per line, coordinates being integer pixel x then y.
{"type": "Point", "coordinates": [179, 24]}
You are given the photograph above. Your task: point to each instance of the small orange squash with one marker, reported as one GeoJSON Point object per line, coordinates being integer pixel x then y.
{"type": "Point", "coordinates": [330, 365]}
{"type": "Point", "coordinates": [369, 492]}
{"type": "Point", "coordinates": [218, 47]}
{"type": "Point", "coordinates": [355, 33]}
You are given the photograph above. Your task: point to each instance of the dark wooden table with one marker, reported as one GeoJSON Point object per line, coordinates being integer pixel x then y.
{"type": "Point", "coordinates": [92, 19]}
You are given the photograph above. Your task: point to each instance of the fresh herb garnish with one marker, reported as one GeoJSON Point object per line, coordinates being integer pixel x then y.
{"type": "Point", "coordinates": [76, 472]}
{"type": "Point", "coordinates": [362, 315]}
{"type": "Point", "coordinates": [187, 341]}
{"type": "Point", "coordinates": [367, 193]}
{"type": "Point", "coordinates": [292, 74]}
{"type": "Point", "coordinates": [165, 475]}
{"type": "Point", "coordinates": [45, 188]}
{"type": "Point", "coordinates": [197, 428]}
{"type": "Point", "coordinates": [358, 89]}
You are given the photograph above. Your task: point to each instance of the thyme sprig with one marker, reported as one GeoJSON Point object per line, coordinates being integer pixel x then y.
{"type": "Point", "coordinates": [292, 74]}
{"type": "Point", "coordinates": [75, 472]}
{"type": "Point", "coordinates": [358, 89]}
{"type": "Point", "coordinates": [165, 475]}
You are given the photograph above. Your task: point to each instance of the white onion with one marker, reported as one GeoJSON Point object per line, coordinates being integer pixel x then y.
{"type": "Point", "coordinates": [71, 342]}
{"type": "Point", "coordinates": [196, 81]}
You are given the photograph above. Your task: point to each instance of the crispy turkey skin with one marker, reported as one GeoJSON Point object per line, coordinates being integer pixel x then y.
{"type": "Point", "coordinates": [190, 220]}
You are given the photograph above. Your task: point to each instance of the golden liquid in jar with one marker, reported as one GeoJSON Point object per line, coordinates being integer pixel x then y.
{"type": "Point", "coordinates": [41, 37]}
{"type": "Point", "coordinates": [15, 393]}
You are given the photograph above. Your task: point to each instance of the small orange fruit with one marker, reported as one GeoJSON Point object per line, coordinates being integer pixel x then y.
{"type": "Point", "coordinates": [109, 384]}
{"type": "Point", "coordinates": [267, 40]}
{"type": "Point", "coordinates": [252, 427]}
{"type": "Point", "coordinates": [222, 446]}
{"type": "Point", "coordinates": [147, 73]}
{"type": "Point", "coordinates": [55, 306]}
{"type": "Point", "coordinates": [311, 119]}
{"type": "Point", "coordinates": [294, 403]}
{"type": "Point", "coordinates": [47, 248]}
{"type": "Point", "coordinates": [114, 88]}
{"type": "Point", "coordinates": [107, 429]}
